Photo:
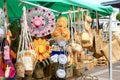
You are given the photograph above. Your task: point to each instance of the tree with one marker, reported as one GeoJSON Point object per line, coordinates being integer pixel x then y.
{"type": "Point", "coordinates": [118, 16]}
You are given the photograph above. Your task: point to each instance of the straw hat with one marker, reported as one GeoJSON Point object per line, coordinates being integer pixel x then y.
{"type": "Point", "coordinates": [42, 48]}
{"type": "Point", "coordinates": [40, 21]}
{"type": "Point", "coordinates": [62, 59]}
{"type": "Point", "coordinates": [61, 73]}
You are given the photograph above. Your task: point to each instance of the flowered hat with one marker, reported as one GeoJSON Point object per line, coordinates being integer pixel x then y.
{"type": "Point", "coordinates": [40, 21]}
{"type": "Point", "coordinates": [2, 17]}
{"type": "Point", "coordinates": [42, 48]}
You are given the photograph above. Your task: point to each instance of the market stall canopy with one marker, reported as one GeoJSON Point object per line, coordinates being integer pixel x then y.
{"type": "Point", "coordinates": [15, 9]}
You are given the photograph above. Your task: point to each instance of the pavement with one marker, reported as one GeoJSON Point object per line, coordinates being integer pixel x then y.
{"type": "Point", "coordinates": [102, 72]}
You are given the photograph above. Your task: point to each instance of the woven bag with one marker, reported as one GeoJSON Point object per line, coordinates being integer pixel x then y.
{"type": "Point", "coordinates": [26, 55]}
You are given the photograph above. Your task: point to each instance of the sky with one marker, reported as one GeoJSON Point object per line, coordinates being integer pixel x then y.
{"type": "Point", "coordinates": [100, 1]}
{"type": "Point", "coordinates": [96, 1]}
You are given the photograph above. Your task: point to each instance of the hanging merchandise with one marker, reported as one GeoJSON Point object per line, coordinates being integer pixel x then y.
{"type": "Point", "coordinates": [105, 32]}
{"type": "Point", "coordinates": [86, 37]}
{"type": "Point", "coordinates": [2, 18]}
{"type": "Point", "coordinates": [61, 30]}
{"type": "Point", "coordinates": [62, 60]}
{"type": "Point", "coordinates": [6, 62]}
{"type": "Point", "coordinates": [115, 51]}
{"type": "Point", "coordinates": [2, 24]}
{"type": "Point", "coordinates": [20, 69]}
{"type": "Point", "coordinates": [6, 52]}
{"type": "Point", "coordinates": [42, 48]}
{"type": "Point", "coordinates": [26, 55]}
{"type": "Point", "coordinates": [77, 27]}
{"type": "Point", "coordinates": [61, 73]}
{"type": "Point", "coordinates": [98, 40]}
{"type": "Point", "coordinates": [7, 68]}
{"type": "Point", "coordinates": [116, 35]}
{"type": "Point", "coordinates": [41, 21]}
{"type": "Point", "coordinates": [73, 48]}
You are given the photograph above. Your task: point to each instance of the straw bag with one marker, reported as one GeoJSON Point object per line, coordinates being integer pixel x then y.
{"type": "Point", "coordinates": [115, 51]}
{"type": "Point", "coordinates": [116, 35]}
{"type": "Point", "coordinates": [38, 72]}
{"type": "Point", "coordinates": [20, 70]}
{"type": "Point", "coordinates": [86, 40]}
{"type": "Point", "coordinates": [85, 37]}
{"type": "Point", "coordinates": [98, 45]}
{"type": "Point", "coordinates": [26, 54]}
{"type": "Point", "coordinates": [88, 20]}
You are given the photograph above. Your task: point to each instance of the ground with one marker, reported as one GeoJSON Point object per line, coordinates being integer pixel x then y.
{"type": "Point", "coordinates": [102, 72]}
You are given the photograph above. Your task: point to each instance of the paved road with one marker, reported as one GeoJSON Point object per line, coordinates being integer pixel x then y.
{"type": "Point", "coordinates": [102, 72]}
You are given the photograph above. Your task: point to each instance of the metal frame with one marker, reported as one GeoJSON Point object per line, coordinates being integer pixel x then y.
{"type": "Point", "coordinates": [110, 37]}
{"type": "Point", "coordinates": [23, 1]}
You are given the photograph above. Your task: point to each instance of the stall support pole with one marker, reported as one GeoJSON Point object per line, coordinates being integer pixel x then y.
{"type": "Point", "coordinates": [110, 37]}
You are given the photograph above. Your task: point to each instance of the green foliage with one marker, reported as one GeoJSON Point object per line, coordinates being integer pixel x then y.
{"type": "Point", "coordinates": [118, 16]}
{"type": "Point", "coordinates": [15, 29]}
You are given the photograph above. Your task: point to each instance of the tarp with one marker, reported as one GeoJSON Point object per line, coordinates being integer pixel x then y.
{"type": "Point", "coordinates": [15, 9]}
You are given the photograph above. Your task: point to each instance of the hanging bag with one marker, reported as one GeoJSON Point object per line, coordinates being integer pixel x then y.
{"type": "Point", "coordinates": [26, 55]}
{"type": "Point", "coordinates": [86, 37]}
{"type": "Point", "coordinates": [98, 40]}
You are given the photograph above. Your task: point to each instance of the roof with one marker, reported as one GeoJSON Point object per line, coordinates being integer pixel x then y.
{"type": "Point", "coordinates": [14, 7]}
{"type": "Point", "coordinates": [115, 3]}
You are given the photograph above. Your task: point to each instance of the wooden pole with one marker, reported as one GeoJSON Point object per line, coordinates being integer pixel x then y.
{"type": "Point", "coordinates": [5, 11]}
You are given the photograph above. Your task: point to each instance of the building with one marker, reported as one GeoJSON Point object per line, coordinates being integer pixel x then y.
{"type": "Point", "coordinates": [115, 4]}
